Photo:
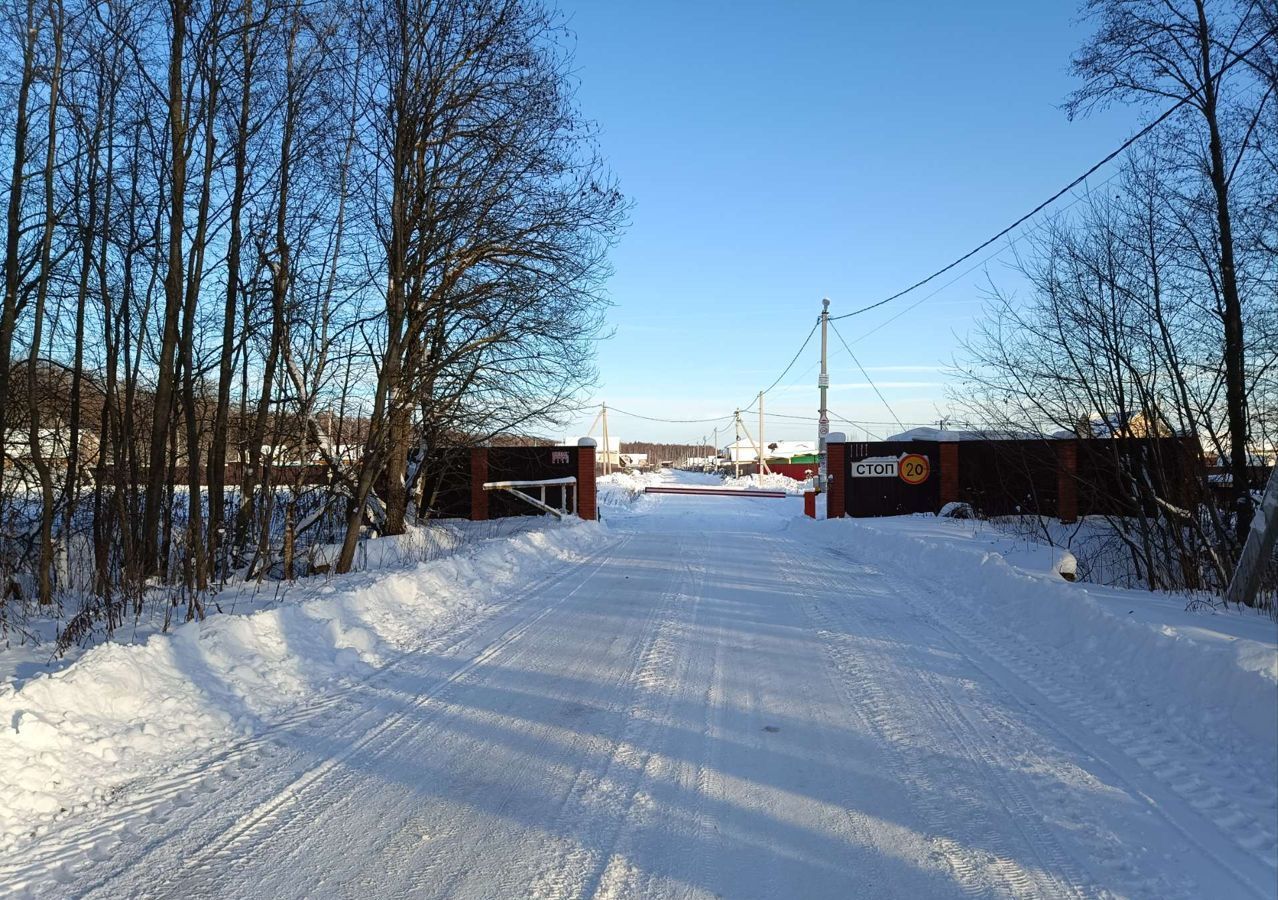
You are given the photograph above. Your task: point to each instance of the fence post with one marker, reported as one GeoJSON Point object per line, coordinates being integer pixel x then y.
{"type": "Point", "coordinates": [478, 475]}
{"type": "Point", "coordinates": [586, 508]}
{"type": "Point", "coordinates": [1067, 481]}
{"type": "Point", "coordinates": [836, 450]}
{"type": "Point", "coordinates": [949, 472]}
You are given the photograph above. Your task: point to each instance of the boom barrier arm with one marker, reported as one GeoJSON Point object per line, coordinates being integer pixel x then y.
{"type": "Point", "coordinates": [512, 487]}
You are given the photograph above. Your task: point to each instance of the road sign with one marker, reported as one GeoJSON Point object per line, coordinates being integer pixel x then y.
{"type": "Point", "coordinates": [875, 467]}
{"type": "Point", "coordinates": [914, 468]}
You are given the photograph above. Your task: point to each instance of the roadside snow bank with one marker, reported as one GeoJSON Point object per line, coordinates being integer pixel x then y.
{"type": "Point", "coordinates": [122, 712]}
{"type": "Point", "coordinates": [1211, 670]}
{"type": "Point", "coordinates": [770, 482]}
{"type": "Point", "coordinates": [621, 488]}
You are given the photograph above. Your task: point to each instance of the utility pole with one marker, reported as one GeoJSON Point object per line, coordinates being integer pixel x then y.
{"type": "Point", "coordinates": [823, 384]}
{"type": "Point", "coordinates": [756, 444]}
{"type": "Point", "coordinates": [607, 468]}
{"type": "Point", "coordinates": [714, 453]}
{"type": "Point", "coordinates": [735, 450]}
{"type": "Point", "coordinates": [763, 466]}
{"type": "Point", "coordinates": [591, 432]}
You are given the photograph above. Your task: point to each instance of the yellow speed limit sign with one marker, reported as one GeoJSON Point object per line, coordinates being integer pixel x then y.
{"type": "Point", "coordinates": [914, 468]}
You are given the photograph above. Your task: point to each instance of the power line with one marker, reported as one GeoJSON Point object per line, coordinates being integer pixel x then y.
{"type": "Point", "coordinates": [864, 426]}
{"type": "Point", "coordinates": [870, 380]}
{"type": "Point", "coordinates": [614, 409]}
{"type": "Point", "coordinates": [968, 271]}
{"type": "Point", "coordinates": [807, 340]}
{"type": "Point", "coordinates": [1110, 157]}
{"type": "Point", "coordinates": [1122, 148]}
{"type": "Point", "coordinates": [832, 416]}
{"type": "Point", "coordinates": [1023, 219]}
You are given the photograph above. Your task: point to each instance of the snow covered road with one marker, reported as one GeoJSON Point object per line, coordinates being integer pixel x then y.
{"type": "Point", "coordinates": [708, 706]}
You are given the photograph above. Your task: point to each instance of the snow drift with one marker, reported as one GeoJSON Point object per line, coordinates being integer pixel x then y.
{"type": "Point", "coordinates": [124, 712]}
{"type": "Point", "coordinates": [1215, 672]}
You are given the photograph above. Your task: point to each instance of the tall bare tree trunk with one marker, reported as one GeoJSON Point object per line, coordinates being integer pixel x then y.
{"type": "Point", "coordinates": [226, 359]}
{"type": "Point", "coordinates": [41, 464]}
{"type": "Point", "coordinates": [1235, 362]}
{"type": "Point", "coordinates": [13, 229]}
{"type": "Point", "coordinates": [174, 285]}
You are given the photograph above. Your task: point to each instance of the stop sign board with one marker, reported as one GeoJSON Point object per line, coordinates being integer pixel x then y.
{"type": "Point", "coordinates": [914, 468]}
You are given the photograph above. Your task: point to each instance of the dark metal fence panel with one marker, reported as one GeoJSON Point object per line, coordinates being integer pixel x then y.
{"type": "Point", "coordinates": [1014, 477]}
{"type": "Point", "coordinates": [1009, 477]}
{"type": "Point", "coordinates": [529, 464]}
{"type": "Point", "coordinates": [890, 495]}
{"type": "Point", "coordinates": [1109, 468]}
{"type": "Point", "coordinates": [447, 479]}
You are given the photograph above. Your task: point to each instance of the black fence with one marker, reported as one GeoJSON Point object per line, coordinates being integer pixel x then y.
{"type": "Point", "coordinates": [1108, 472]}
{"type": "Point", "coordinates": [447, 484]}
{"type": "Point", "coordinates": [450, 487]}
{"type": "Point", "coordinates": [529, 464]}
{"type": "Point", "coordinates": [891, 496]}
{"type": "Point", "coordinates": [1060, 478]}
{"type": "Point", "coordinates": [1005, 478]}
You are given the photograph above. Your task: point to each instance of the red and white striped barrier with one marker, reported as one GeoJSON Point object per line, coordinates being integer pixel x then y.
{"type": "Point", "coordinates": [712, 492]}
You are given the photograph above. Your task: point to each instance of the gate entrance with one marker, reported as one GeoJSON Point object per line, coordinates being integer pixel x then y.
{"type": "Point", "coordinates": [711, 491]}
{"type": "Point", "coordinates": [892, 478]}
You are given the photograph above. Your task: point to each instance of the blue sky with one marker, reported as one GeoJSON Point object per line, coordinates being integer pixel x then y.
{"type": "Point", "coordinates": [777, 153]}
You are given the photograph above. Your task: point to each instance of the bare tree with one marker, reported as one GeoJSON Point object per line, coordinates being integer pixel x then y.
{"type": "Point", "coordinates": [1198, 53]}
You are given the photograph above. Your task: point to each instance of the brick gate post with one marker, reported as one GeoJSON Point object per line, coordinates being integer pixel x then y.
{"type": "Point", "coordinates": [586, 497]}
{"type": "Point", "coordinates": [478, 475]}
{"type": "Point", "coordinates": [949, 472]}
{"type": "Point", "coordinates": [1067, 481]}
{"type": "Point", "coordinates": [836, 455]}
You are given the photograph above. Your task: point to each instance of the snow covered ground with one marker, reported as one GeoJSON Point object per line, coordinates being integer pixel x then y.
{"type": "Point", "coordinates": [708, 696]}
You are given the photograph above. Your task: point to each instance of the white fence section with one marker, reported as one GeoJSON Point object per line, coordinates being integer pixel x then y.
{"type": "Point", "coordinates": [513, 487]}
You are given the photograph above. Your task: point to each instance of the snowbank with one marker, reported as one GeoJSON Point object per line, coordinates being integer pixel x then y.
{"type": "Point", "coordinates": [769, 482]}
{"type": "Point", "coordinates": [122, 712]}
{"type": "Point", "coordinates": [1210, 670]}
{"type": "Point", "coordinates": [621, 488]}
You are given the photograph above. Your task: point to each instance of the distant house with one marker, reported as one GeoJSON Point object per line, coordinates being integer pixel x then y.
{"type": "Point", "coordinates": [611, 454]}
{"type": "Point", "coordinates": [633, 460]}
{"type": "Point", "coordinates": [745, 451]}
{"type": "Point", "coordinates": [1122, 425]}
{"type": "Point", "coordinates": [54, 444]}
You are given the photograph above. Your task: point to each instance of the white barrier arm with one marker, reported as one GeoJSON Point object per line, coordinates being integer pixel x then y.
{"type": "Point", "coordinates": [512, 487]}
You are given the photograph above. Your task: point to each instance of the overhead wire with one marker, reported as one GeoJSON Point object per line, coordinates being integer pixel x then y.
{"type": "Point", "coordinates": [968, 271]}
{"type": "Point", "coordinates": [1109, 157]}
{"type": "Point", "coordinates": [868, 379]}
{"type": "Point", "coordinates": [807, 340]}
{"type": "Point", "coordinates": [997, 253]}
{"type": "Point", "coordinates": [1106, 160]}
{"type": "Point", "coordinates": [669, 421]}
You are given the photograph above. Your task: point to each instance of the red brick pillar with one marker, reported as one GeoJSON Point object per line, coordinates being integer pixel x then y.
{"type": "Point", "coordinates": [586, 508]}
{"type": "Point", "coordinates": [836, 455]}
{"type": "Point", "coordinates": [949, 473]}
{"type": "Point", "coordinates": [1067, 481]}
{"type": "Point", "coordinates": [478, 475]}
